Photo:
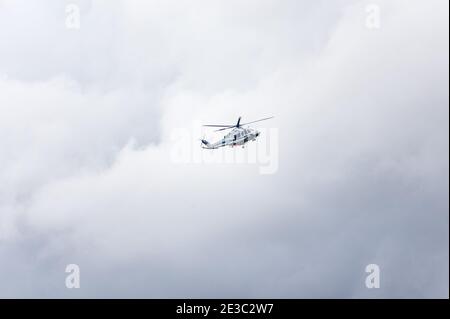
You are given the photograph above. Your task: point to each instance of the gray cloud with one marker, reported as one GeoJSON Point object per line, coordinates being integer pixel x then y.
{"type": "Point", "coordinates": [87, 178]}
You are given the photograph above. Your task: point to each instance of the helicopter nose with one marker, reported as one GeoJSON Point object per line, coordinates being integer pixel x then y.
{"type": "Point", "coordinates": [257, 133]}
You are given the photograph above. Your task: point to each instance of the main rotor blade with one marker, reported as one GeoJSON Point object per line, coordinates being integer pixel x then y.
{"type": "Point", "coordinates": [219, 125]}
{"type": "Point", "coordinates": [267, 118]}
{"type": "Point", "coordinates": [226, 128]}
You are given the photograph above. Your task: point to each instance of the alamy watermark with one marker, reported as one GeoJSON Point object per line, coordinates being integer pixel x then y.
{"type": "Point", "coordinates": [73, 279]}
{"type": "Point", "coordinates": [73, 16]}
{"type": "Point", "coordinates": [373, 279]}
{"type": "Point", "coordinates": [263, 152]}
{"type": "Point", "coordinates": [373, 16]}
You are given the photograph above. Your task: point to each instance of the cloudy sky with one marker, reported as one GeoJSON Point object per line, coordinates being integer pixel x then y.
{"type": "Point", "coordinates": [94, 95]}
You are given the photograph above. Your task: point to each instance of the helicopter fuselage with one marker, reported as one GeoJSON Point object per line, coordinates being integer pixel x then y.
{"type": "Point", "coordinates": [237, 137]}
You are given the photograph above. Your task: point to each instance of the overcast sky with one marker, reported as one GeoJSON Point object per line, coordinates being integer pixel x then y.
{"type": "Point", "coordinates": [88, 115]}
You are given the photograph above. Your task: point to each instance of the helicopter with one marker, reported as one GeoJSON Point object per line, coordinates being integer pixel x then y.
{"type": "Point", "coordinates": [239, 135]}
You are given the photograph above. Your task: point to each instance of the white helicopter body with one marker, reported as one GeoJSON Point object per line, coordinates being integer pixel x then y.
{"type": "Point", "coordinates": [239, 135]}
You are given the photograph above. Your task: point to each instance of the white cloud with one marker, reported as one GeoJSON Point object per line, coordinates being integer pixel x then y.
{"type": "Point", "coordinates": [363, 165]}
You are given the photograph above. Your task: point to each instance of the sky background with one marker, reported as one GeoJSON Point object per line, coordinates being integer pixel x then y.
{"type": "Point", "coordinates": [87, 174]}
